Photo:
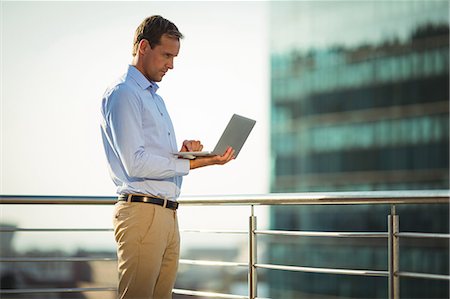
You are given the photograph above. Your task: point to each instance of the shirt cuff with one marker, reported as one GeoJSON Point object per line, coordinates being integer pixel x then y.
{"type": "Point", "coordinates": [182, 166]}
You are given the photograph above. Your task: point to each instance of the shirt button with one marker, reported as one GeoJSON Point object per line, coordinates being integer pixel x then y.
{"type": "Point", "coordinates": [168, 133]}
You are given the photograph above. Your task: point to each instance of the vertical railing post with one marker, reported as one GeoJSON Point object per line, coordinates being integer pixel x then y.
{"type": "Point", "coordinates": [252, 279]}
{"type": "Point", "coordinates": [393, 254]}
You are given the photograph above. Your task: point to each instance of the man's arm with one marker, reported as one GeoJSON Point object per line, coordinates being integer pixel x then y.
{"type": "Point", "coordinates": [197, 146]}
{"type": "Point", "coordinates": [213, 160]}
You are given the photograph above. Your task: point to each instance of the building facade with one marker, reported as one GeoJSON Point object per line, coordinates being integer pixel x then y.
{"type": "Point", "coordinates": [359, 101]}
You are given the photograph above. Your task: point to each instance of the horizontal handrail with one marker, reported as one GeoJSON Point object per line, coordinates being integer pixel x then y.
{"type": "Point", "coordinates": [212, 263]}
{"type": "Point", "coordinates": [56, 290]}
{"type": "Point", "coordinates": [309, 198]}
{"type": "Point", "coordinates": [423, 275]}
{"type": "Point", "coordinates": [261, 232]}
{"type": "Point", "coordinates": [352, 272]}
{"type": "Point", "coordinates": [113, 259]}
{"type": "Point", "coordinates": [210, 294]}
{"type": "Point", "coordinates": [55, 259]}
{"type": "Point", "coordinates": [52, 199]}
{"type": "Point", "coordinates": [19, 229]}
{"type": "Point", "coordinates": [207, 294]}
{"type": "Point", "coordinates": [114, 289]}
{"type": "Point", "coordinates": [323, 234]}
{"type": "Point", "coordinates": [210, 231]}
{"type": "Point", "coordinates": [324, 270]}
{"type": "Point", "coordinates": [423, 235]}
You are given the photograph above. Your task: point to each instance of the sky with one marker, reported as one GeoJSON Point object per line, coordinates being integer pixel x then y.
{"type": "Point", "coordinates": [57, 58]}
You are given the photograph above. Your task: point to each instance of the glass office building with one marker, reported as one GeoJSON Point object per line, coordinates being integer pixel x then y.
{"type": "Point", "coordinates": [359, 101]}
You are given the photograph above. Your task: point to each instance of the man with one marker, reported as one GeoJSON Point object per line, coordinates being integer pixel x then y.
{"type": "Point", "coordinates": [139, 142]}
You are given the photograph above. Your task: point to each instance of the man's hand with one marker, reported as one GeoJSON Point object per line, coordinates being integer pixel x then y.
{"type": "Point", "coordinates": [191, 146]}
{"type": "Point", "coordinates": [213, 160]}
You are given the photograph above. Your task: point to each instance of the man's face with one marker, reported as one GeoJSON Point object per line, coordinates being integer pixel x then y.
{"type": "Point", "coordinates": [157, 61]}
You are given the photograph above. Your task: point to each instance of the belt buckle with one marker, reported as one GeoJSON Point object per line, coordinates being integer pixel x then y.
{"type": "Point", "coordinates": [130, 196]}
{"type": "Point", "coordinates": [165, 203]}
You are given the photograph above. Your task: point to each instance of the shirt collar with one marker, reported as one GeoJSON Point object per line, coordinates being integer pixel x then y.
{"type": "Point", "coordinates": [141, 80]}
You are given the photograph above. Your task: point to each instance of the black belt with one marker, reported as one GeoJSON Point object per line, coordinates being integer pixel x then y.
{"type": "Point", "coordinates": [173, 205]}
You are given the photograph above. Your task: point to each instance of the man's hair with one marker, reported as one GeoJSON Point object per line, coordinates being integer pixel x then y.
{"type": "Point", "coordinates": [152, 28]}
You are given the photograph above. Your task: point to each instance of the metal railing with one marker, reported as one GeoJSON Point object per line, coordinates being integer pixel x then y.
{"type": "Point", "coordinates": [392, 198]}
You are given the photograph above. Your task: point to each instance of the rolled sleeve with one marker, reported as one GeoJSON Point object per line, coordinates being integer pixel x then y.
{"type": "Point", "coordinates": [182, 167]}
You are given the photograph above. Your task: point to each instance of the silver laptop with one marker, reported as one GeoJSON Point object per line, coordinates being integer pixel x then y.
{"type": "Point", "coordinates": [235, 135]}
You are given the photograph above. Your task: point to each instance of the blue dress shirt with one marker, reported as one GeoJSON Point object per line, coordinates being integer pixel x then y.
{"type": "Point", "coordinates": [139, 139]}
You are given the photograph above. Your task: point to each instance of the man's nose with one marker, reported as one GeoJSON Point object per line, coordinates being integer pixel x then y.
{"type": "Point", "coordinates": [170, 64]}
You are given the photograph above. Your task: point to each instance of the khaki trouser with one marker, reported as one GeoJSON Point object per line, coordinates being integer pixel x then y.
{"type": "Point", "coordinates": [148, 247]}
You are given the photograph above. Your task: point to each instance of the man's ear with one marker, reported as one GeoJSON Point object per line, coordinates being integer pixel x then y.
{"type": "Point", "coordinates": [143, 46]}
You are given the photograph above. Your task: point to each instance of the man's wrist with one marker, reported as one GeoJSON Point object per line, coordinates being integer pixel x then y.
{"type": "Point", "coordinates": [196, 163]}
{"type": "Point", "coordinates": [193, 164]}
